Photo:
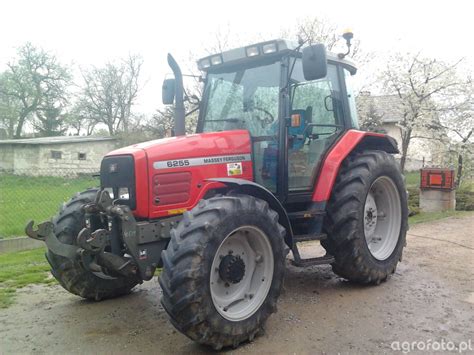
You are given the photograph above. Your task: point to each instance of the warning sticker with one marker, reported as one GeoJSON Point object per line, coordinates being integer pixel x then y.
{"type": "Point", "coordinates": [234, 169]}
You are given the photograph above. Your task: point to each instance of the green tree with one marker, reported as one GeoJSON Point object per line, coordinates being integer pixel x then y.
{"type": "Point", "coordinates": [33, 80]}
{"type": "Point", "coordinates": [9, 107]}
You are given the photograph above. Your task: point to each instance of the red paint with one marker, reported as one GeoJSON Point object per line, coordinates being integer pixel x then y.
{"type": "Point", "coordinates": [333, 161]}
{"type": "Point", "coordinates": [184, 147]}
{"type": "Point", "coordinates": [171, 188]}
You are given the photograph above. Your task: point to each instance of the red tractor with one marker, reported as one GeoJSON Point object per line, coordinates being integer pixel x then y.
{"type": "Point", "coordinates": [277, 159]}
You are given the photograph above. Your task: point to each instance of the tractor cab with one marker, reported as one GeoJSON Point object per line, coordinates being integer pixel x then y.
{"type": "Point", "coordinates": [294, 103]}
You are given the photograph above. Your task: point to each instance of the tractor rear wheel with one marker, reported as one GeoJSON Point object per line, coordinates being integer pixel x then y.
{"type": "Point", "coordinates": [70, 273]}
{"type": "Point", "coordinates": [223, 270]}
{"type": "Point", "coordinates": [367, 218]}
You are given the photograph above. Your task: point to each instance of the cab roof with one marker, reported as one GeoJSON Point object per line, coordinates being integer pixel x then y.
{"type": "Point", "coordinates": [241, 55]}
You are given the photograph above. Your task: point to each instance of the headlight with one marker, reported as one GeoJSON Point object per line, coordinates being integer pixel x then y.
{"type": "Point", "coordinates": [252, 51]}
{"type": "Point", "coordinates": [269, 48]}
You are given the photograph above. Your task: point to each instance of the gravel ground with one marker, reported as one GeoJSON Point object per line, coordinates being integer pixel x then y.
{"type": "Point", "coordinates": [429, 299]}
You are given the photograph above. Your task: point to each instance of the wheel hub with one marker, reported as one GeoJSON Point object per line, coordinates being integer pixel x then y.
{"type": "Point", "coordinates": [241, 273]}
{"type": "Point", "coordinates": [370, 218]}
{"type": "Point", "coordinates": [232, 269]}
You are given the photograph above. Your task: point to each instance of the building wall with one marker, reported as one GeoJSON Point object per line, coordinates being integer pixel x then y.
{"type": "Point", "coordinates": [6, 157]}
{"type": "Point", "coordinates": [69, 163]}
{"type": "Point", "coordinates": [37, 160]}
{"type": "Point", "coordinates": [419, 151]}
{"type": "Point", "coordinates": [25, 159]}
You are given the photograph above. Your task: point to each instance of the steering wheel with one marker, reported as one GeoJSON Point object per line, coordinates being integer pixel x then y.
{"type": "Point", "coordinates": [266, 120]}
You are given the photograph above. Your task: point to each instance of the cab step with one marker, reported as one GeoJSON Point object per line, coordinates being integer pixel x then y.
{"type": "Point", "coordinates": [300, 262]}
{"type": "Point", "coordinates": [308, 237]}
{"type": "Point", "coordinates": [306, 214]}
{"type": "Point", "coordinates": [326, 259]}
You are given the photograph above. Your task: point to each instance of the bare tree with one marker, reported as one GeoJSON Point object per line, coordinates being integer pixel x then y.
{"type": "Point", "coordinates": [322, 30]}
{"type": "Point", "coordinates": [161, 123]}
{"type": "Point", "coordinates": [110, 92]}
{"type": "Point", "coordinates": [31, 81]}
{"type": "Point", "coordinates": [420, 83]}
{"type": "Point", "coordinates": [78, 119]}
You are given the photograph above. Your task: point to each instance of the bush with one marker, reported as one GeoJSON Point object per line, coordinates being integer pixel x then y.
{"type": "Point", "coordinates": [464, 200]}
{"type": "Point", "coordinates": [413, 201]}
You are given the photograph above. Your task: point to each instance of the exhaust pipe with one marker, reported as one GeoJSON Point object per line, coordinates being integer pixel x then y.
{"type": "Point", "coordinates": [179, 113]}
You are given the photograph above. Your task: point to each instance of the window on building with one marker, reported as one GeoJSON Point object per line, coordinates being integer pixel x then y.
{"type": "Point", "coordinates": [56, 154]}
{"type": "Point", "coordinates": [81, 156]}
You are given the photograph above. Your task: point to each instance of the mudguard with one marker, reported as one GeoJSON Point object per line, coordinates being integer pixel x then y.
{"type": "Point", "coordinates": [350, 141]}
{"type": "Point", "coordinates": [256, 190]}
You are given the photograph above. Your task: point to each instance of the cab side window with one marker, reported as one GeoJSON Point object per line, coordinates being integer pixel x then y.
{"type": "Point", "coordinates": [316, 112]}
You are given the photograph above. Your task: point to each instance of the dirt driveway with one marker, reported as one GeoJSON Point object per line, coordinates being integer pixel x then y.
{"type": "Point", "coordinates": [430, 298]}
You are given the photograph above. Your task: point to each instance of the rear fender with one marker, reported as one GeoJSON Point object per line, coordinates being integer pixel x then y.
{"type": "Point", "coordinates": [258, 191]}
{"type": "Point", "coordinates": [352, 140]}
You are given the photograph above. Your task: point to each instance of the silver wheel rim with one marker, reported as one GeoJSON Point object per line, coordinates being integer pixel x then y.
{"type": "Point", "coordinates": [382, 218]}
{"type": "Point", "coordinates": [239, 301]}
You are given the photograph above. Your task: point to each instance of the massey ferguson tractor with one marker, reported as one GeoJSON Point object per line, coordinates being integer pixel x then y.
{"type": "Point", "coordinates": [277, 159]}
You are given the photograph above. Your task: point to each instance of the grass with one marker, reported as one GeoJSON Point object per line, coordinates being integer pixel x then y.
{"type": "Point", "coordinates": [25, 197]}
{"type": "Point", "coordinates": [20, 269]}
{"type": "Point", "coordinates": [412, 179]}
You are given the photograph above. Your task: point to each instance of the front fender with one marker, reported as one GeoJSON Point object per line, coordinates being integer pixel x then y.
{"type": "Point", "coordinates": [256, 190]}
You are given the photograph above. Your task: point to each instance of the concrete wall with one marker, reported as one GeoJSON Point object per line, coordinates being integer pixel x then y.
{"type": "Point", "coordinates": [70, 162]}
{"type": "Point", "coordinates": [6, 157]}
{"type": "Point", "coordinates": [432, 200]}
{"type": "Point", "coordinates": [18, 244]}
{"type": "Point", "coordinates": [25, 159]}
{"type": "Point", "coordinates": [36, 160]}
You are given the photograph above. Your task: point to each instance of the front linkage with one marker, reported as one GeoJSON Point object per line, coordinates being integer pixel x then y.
{"type": "Point", "coordinates": [124, 248]}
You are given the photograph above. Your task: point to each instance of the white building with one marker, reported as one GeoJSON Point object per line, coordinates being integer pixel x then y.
{"type": "Point", "coordinates": [54, 156]}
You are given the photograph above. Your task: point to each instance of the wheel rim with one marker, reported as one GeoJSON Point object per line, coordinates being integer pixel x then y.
{"type": "Point", "coordinates": [382, 218]}
{"type": "Point", "coordinates": [238, 295]}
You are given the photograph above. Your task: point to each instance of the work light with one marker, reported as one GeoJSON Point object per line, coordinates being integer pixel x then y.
{"type": "Point", "coordinates": [252, 51]}
{"type": "Point", "coordinates": [269, 48]}
{"type": "Point", "coordinates": [216, 60]}
{"type": "Point", "coordinates": [205, 63]}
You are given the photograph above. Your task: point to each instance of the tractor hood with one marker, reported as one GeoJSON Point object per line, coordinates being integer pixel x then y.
{"type": "Point", "coordinates": [169, 176]}
{"type": "Point", "coordinates": [192, 146]}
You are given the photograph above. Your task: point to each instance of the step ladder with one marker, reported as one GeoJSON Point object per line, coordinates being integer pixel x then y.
{"type": "Point", "coordinates": [300, 262]}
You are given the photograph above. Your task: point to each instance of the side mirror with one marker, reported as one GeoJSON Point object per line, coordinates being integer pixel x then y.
{"type": "Point", "coordinates": [167, 91]}
{"type": "Point", "coordinates": [315, 64]}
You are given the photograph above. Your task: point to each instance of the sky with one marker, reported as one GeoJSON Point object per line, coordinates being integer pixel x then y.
{"type": "Point", "coordinates": [84, 33]}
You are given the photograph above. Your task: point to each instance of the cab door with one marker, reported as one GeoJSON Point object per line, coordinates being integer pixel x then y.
{"type": "Point", "coordinates": [316, 120]}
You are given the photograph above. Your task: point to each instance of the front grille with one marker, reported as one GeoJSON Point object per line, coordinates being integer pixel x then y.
{"type": "Point", "coordinates": [117, 173]}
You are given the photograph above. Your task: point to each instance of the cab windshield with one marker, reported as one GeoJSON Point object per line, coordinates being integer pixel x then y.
{"type": "Point", "coordinates": [244, 99]}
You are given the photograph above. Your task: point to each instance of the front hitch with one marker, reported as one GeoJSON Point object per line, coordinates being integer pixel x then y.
{"type": "Point", "coordinates": [45, 233]}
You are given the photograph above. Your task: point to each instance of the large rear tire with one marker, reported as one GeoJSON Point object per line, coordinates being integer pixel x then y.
{"type": "Point", "coordinates": [223, 270]}
{"type": "Point", "coordinates": [70, 273]}
{"type": "Point", "coordinates": [367, 218]}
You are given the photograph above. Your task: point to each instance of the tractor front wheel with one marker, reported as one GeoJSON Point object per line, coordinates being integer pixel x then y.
{"type": "Point", "coordinates": [223, 270]}
{"type": "Point", "coordinates": [367, 218]}
{"type": "Point", "coordinates": [70, 273]}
